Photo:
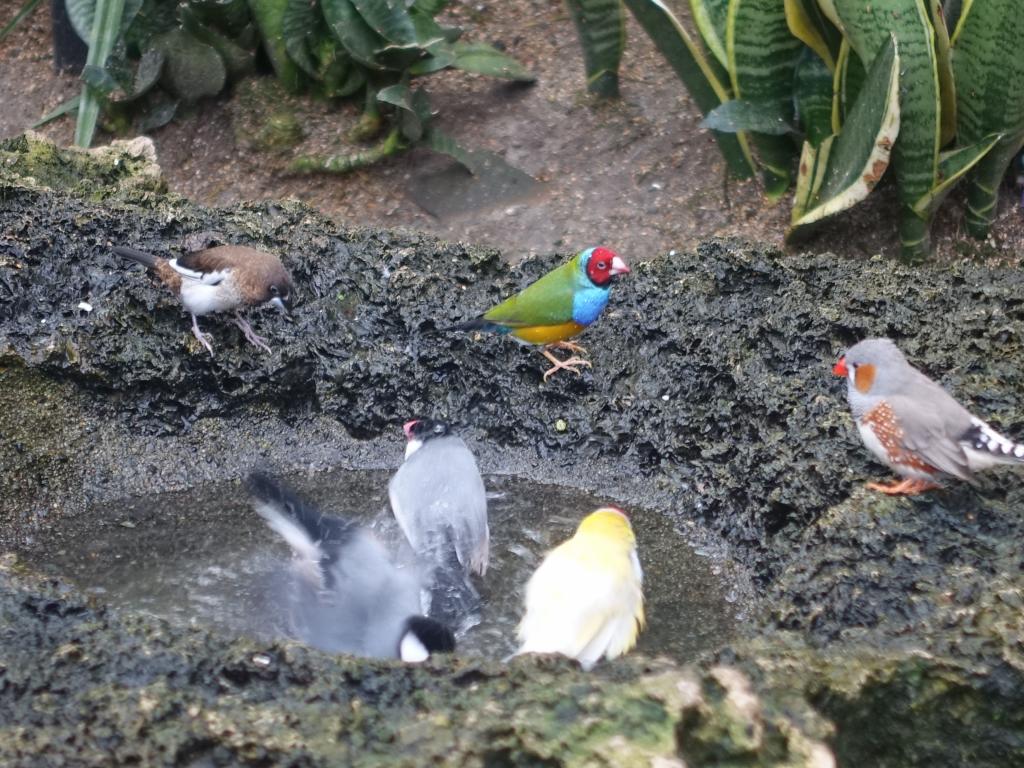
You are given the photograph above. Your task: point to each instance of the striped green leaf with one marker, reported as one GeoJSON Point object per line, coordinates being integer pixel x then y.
{"type": "Point", "coordinates": [855, 159]}
{"type": "Point", "coordinates": [711, 16]}
{"type": "Point", "coordinates": [944, 66]}
{"type": "Point", "coordinates": [989, 71]}
{"type": "Point", "coordinates": [808, 24]}
{"type": "Point", "coordinates": [704, 78]}
{"type": "Point", "coordinates": [485, 59]}
{"type": "Point", "coordinates": [916, 154]}
{"type": "Point", "coordinates": [601, 25]}
{"type": "Point", "coordinates": [953, 165]}
{"type": "Point", "coordinates": [812, 93]}
{"type": "Point", "coordinates": [762, 56]}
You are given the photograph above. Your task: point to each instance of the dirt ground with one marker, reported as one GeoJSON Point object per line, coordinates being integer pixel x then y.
{"type": "Point", "coordinates": [638, 175]}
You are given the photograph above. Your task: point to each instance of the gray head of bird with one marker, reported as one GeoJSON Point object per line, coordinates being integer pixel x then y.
{"type": "Point", "coordinates": [874, 367]}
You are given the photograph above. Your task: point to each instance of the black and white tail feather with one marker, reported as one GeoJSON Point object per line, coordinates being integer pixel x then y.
{"type": "Point", "coordinates": [985, 447]}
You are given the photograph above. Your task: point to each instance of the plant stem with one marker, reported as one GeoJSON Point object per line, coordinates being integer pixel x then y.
{"type": "Point", "coordinates": [391, 145]}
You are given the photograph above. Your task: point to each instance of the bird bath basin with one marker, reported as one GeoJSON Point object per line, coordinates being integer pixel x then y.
{"type": "Point", "coordinates": [205, 557]}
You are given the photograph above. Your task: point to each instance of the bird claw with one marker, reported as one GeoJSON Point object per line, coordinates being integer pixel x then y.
{"type": "Point", "coordinates": [204, 338]}
{"type": "Point", "coordinates": [908, 487]}
{"type": "Point", "coordinates": [569, 346]}
{"type": "Point", "coordinates": [251, 336]}
{"type": "Point", "coordinates": [572, 364]}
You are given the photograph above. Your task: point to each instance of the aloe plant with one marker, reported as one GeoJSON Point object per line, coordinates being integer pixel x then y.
{"type": "Point", "coordinates": [868, 85]}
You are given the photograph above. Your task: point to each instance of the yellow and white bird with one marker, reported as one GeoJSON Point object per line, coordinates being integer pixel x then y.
{"type": "Point", "coordinates": [585, 600]}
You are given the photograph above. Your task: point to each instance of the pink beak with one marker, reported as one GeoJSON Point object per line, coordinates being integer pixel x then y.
{"type": "Point", "coordinates": [407, 428]}
{"type": "Point", "coordinates": [618, 267]}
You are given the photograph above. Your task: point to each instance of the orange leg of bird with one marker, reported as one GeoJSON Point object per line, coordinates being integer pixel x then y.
{"type": "Point", "coordinates": [576, 349]}
{"type": "Point", "coordinates": [908, 487]}
{"type": "Point", "coordinates": [572, 364]}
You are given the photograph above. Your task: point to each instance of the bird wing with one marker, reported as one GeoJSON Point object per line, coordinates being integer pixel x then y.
{"type": "Point", "coordinates": [932, 427]}
{"type": "Point", "coordinates": [438, 495]}
{"type": "Point", "coordinates": [548, 301]}
{"type": "Point", "coordinates": [212, 264]}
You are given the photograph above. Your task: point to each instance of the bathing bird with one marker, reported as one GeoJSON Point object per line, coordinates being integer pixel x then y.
{"type": "Point", "coordinates": [585, 600]}
{"type": "Point", "coordinates": [438, 498]}
{"type": "Point", "coordinates": [913, 425]}
{"type": "Point", "coordinates": [225, 278]}
{"type": "Point", "coordinates": [346, 595]}
{"type": "Point", "coordinates": [557, 307]}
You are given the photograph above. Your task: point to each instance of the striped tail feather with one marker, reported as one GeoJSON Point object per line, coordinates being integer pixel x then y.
{"type": "Point", "coordinates": [986, 447]}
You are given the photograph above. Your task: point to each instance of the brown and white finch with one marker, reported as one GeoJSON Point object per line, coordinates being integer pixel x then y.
{"type": "Point", "coordinates": [221, 279]}
{"type": "Point", "coordinates": [913, 425]}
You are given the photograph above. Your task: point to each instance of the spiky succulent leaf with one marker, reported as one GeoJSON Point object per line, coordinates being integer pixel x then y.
{"type": "Point", "coordinates": [711, 16]}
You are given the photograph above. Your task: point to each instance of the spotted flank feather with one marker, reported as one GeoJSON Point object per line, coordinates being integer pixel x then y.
{"type": "Point", "coordinates": [982, 438]}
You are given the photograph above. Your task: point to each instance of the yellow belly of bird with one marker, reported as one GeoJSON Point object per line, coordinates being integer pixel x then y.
{"type": "Point", "coordinates": [548, 334]}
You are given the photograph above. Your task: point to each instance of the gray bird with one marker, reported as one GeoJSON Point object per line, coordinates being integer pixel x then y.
{"type": "Point", "coordinates": [913, 425]}
{"type": "Point", "coordinates": [346, 595]}
{"type": "Point", "coordinates": [221, 279]}
{"type": "Point", "coordinates": [439, 501]}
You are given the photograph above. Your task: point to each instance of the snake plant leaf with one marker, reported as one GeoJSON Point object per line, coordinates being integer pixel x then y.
{"type": "Point", "coordinates": [105, 29]}
{"type": "Point", "coordinates": [954, 12]}
{"type": "Point", "coordinates": [738, 115]}
{"type": "Point", "coordinates": [430, 7]}
{"type": "Point", "coordinates": [812, 94]}
{"type": "Point", "coordinates": [601, 26]}
{"type": "Point", "coordinates": [389, 19]}
{"type": "Point", "coordinates": [485, 59]}
{"type": "Point", "coordinates": [441, 142]}
{"type": "Point", "coordinates": [851, 76]}
{"type": "Point", "coordinates": [953, 166]}
{"type": "Point", "coordinates": [944, 66]}
{"type": "Point", "coordinates": [989, 71]}
{"type": "Point", "coordinates": [299, 20]}
{"type": "Point", "coordinates": [762, 57]}
{"type": "Point", "coordinates": [858, 156]}
{"type": "Point", "coordinates": [916, 154]}
{"type": "Point", "coordinates": [413, 116]}
{"type": "Point", "coordinates": [703, 77]}
{"type": "Point", "coordinates": [269, 16]}
{"type": "Point", "coordinates": [99, 79]}
{"type": "Point", "coordinates": [711, 16]}
{"type": "Point", "coordinates": [355, 35]}
{"type": "Point", "coordinates": [808, 24]}
{"type": "Point", "coordinates": [810, 175]}
{"type": "Point", "coordinates": [23, 13]}
{"type": "Point", "coordinates": [59, 111]}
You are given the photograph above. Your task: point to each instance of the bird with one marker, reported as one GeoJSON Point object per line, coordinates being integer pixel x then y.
{"type": "Point", "coordinates": [585, 600]}
{"type": "Point", "coordinates": [556, 307]}
{"type": "Point", "coordinates": [438, 498]}
{"type": "Point", "coordinates": [221, 279]}
{"type": "Point", "coordinates": [913, 425]}
{"type": "Point", "coordinates": [347, 596]}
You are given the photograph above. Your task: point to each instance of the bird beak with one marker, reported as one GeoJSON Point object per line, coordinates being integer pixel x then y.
{"type": "Point", "coordinates": [407, 428]}
{"type": "Point", "coordinates": [283, 305]}
{"type": "Point", "coordinates": [618, 267]}
{"type": "Point", "coordinates": [839, 369]}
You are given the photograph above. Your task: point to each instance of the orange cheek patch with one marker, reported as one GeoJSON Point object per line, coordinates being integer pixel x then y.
{"type": "Point", "coordinates": [864, 377]}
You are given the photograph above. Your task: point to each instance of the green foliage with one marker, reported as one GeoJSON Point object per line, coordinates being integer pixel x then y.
{"type": "Point", "coordinates": [159, 54]}
{"type": "Point", "coordinates": [869, 85]}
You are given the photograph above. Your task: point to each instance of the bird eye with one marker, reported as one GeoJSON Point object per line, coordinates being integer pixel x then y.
{"type": "Point", "coordinates": [274, 290]}
{"type": "Point", "coordinates": [601, 265]}
{"type": "Point", "coordinates": [438, 429]}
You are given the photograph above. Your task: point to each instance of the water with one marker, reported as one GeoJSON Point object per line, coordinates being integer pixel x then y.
{"type": "Point", "coordinates": [205, 557]}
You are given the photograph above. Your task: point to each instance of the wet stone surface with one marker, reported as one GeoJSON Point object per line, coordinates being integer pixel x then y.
{"type": "Point", "coordinates": [204, 558]}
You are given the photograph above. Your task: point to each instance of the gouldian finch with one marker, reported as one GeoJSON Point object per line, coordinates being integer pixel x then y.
{"type": "Point", "coordinates": [557, 307]}
{"type": "Point", "coordinates": [586, 599]}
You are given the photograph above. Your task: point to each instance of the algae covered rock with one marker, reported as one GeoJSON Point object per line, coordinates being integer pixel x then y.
{"type": "Point", "coordinates": [884, 632]}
